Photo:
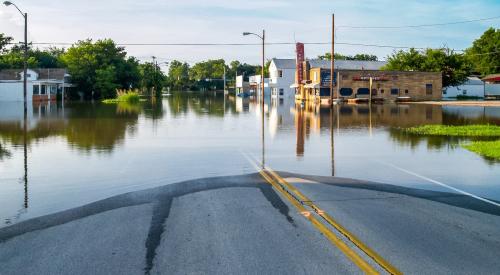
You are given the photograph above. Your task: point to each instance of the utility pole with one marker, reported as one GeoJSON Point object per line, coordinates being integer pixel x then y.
{"type": "Point", "coordinates": [224, 79]}
{"type": "Point", "coordinates": [332, 61]}
{"type": "Point", "coordinates": [154, 76]}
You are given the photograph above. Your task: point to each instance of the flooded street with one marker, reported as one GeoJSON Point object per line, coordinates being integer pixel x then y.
{"type": "Point", "coordinates": [79, 153]}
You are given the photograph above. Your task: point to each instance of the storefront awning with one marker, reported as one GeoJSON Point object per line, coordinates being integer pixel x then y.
{"type": "Point", "coordinates": [312, 86]}
{"type": "Point", "coordinates": [295, 85]}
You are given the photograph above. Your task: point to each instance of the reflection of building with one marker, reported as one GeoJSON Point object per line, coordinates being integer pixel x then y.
{"type": "Point", "coordinates": [473, 87]}
{"type": "Point", "coordinates": [43, 84]}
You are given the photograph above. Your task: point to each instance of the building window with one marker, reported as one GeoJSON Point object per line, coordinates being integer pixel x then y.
{"type": "Point", "coordinates": [464, 92]}
{"type": "Point", "coordinates": [428, 89]}
{"type": "Point", "coordinates": [395, 91]}
{"type": "Point", "coordinates": [36, 89]}
{"type": "Point", "coordinates": [345, 91]}
{"type": "Point", "coordinates": [363, 91]}
{"type": "Point", "coordinates": [382, 91]}
{"type": "Point", "coordinates": [44, 90]}
{"type": "Point", "coordinates": [444, 92]}
{"type": "Point", "coordinates": [406, 91]}
{"type": "Point", "coordinates": [394, 77]}
{"type": "Point", "coordinates": [344, 77]}
{"type": "Point", "coordinates": [280, 73]}
{"type": "Point", "coordinates": [374, 91]}
{"type": "Point", "coordinates": [282, 91]}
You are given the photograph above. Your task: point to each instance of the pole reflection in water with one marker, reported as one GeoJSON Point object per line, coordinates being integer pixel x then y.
{"type": "Point", "coordinates": [25, 147]}
{"type": "Point", "coordinates": [263, 136]}
{"type": "Point", "coordinates": [332, 141]}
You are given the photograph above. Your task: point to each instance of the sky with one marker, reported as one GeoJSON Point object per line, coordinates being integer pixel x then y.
{"type": "Point", "coordinates": [223, 21]}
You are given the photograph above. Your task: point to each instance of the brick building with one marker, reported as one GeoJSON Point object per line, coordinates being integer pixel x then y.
{"type": "Point", "coordinates": [386, 85]}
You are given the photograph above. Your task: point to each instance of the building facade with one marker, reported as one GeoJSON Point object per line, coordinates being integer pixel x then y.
{"type": "Point", "coordinates": [43, 84]}
{"type": "Point", "coordinates": [472, 87]}
{"type": "Point", "coordinates": [281, 76]}
{"type": "Point", "coordinates": [385, 85]}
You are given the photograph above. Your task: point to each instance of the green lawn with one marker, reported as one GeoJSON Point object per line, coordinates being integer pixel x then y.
{"type": "Point", "coordinates": [489, 149]}
{"type": "Point", "coordinates": [456, 131]}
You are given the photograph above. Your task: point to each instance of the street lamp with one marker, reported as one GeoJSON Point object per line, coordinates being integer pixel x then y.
{"type": "Point", "coordinates": [25, 15]}
{"type": "Point", "coordinates": [25, 126]}
{"type": "Point", "coordinates": [263, 38]}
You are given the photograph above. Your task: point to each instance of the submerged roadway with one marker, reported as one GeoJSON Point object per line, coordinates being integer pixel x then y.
{"type": "Point", "coordinates": [268, 223]}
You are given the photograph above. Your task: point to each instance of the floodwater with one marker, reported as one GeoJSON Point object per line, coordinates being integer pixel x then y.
{"type": "Point", "coordinates": [73, 154]}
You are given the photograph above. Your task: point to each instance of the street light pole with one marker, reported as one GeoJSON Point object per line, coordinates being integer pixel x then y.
{"type": "Point", "coordinates": [25, 65]}
{"type": "Point", "coordinates": [263, 38]}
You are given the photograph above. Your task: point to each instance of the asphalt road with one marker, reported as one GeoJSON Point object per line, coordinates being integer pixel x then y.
{"type": "Point", "coordinates": [240, 225]}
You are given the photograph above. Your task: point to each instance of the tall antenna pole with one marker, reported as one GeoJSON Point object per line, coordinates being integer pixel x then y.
{"type": "Point", "coordinates": [332, 59]}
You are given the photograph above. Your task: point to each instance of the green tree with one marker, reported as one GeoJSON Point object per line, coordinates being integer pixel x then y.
{"type": "Point", "coordinates": [152, 78]}
{"type": "Point", "coordinates": [208, 74]}
{"type": "Point", "coordinates": [92, 63]}
{"type": "Point", "coordinates": [454, 67]}
{"type": "Point", "coordinates": [485, 52]}
{"type": "Point", "coordinates": [105, 82]}
{"type": "Point", "coordinates": [4, 42]}
{"type": "Point", "coordinates": [338, 56]}
{"type": "Point", "coordinates": [238, 68]}
{"type": "Point", "coordinates": [178, 75]}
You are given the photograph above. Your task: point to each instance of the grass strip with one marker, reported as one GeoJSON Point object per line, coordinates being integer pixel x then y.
{"type": "Point", "coordinates": [488, 149]}
{"type": "Point", "coordinates": [455, 131]}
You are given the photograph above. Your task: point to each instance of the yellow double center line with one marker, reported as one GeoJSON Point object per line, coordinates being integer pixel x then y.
{"type": "Point", "coordinates": [299, 200]}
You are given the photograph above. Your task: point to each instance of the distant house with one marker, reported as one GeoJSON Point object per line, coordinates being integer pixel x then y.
{"type": "Point", "coordinates": [492, 86]}
{"type": "Point", "coordinates": [43, 84]}
{"type": "Point", "coordinates": [256, 86]}
{"type": "Point", "coordinates": [241, 85]}
{"type": "Point", "coordinates": [472, 87]}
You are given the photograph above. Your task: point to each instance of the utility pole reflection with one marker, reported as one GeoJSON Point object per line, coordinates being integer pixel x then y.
{"type": "Point", "coordinates": [25, 147]}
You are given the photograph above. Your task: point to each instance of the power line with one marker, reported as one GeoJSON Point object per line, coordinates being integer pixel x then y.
{"type": "Point", "coordinates": [419, 26]}
{"type": "Point", "coordinates": [258, 44]}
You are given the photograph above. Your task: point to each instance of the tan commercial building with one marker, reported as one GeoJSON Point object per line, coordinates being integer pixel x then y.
{"type": "Point", "coordinates": [350, 84]}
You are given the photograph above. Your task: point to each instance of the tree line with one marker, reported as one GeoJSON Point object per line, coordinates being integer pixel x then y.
{"type": "Point", "coordinates": [100, 67]}
{"type": "Point", "coordinates": [481, 59]}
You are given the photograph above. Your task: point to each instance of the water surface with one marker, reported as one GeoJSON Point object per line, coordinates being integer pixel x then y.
{"type": "Point", "coordinates": [67, 155]}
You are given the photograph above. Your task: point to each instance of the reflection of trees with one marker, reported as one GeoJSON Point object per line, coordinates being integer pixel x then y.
{"type": "Point", "coordinates": [153, 108]}
{"type": "Point", "coordinates": [85, 126]}
{"type": "Point", "coordinates": [433, 142]}
{"type": "Point", "coordinates": [4, 153]}
{"type": "Point", "coordinates": [98, 126]}
{"type": "Point", "coordinates": [200, 103]}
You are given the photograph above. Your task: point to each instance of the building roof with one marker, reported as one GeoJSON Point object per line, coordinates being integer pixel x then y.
{"type": "Point", "coordinates": [339, 64]}
{"type": "Point", "coordinates": [348, 64]}
{"type": "Point", "coordinates": [43, 74]}
{"type": "Point", "coordinates": [284, 63]}
{"type": "Point", "coordinates": [473, 80]}
{"type": "Point", "coordinates": [492, 77]}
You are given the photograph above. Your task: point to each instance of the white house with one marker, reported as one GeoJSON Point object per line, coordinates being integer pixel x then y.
{"type": "Point", "coordinates": [281, 76]}
{"type": "Point", "coordinates": [241, 85]}
{"type": "Point", "coordinates": [43, 84]}
{"type": "Point", "coordinates": [492, 86]}
{"type": "Point", "coordinates": [256, 86]}
{"type": "Point", "coordinates": [472, 87]}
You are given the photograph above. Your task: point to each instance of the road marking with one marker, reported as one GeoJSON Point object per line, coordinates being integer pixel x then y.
{"type": "Point", "coordinates": [363, 247]}
{"type": "Point", "coordinates": [439, 183]}
{"type": "Point", "coordinates": [299, 200]}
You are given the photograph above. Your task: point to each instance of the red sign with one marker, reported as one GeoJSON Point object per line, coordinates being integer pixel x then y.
{"type": "Point", "coordinates": [373, 77]}
{"type": "Point", "coordinates": [299, 47]}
